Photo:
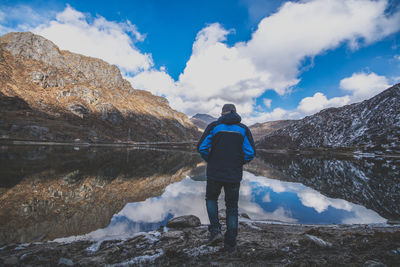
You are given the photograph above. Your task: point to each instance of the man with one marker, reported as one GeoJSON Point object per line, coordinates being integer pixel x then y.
{"type": "Point", "coordinates": [226, 145]}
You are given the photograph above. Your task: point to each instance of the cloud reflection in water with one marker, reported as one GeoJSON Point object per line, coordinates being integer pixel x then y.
{"type": "Point", "coordinates": [260, 197]}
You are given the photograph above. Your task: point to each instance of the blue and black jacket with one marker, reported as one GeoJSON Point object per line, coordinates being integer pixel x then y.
{"type": "Point", "coordinates": [226, 145]}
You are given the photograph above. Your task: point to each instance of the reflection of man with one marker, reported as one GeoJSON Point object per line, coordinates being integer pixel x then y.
{"type": "Point", "coordinates": [226, 145]}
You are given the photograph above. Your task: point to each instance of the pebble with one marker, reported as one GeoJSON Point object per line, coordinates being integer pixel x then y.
{"type": "Point", "coordinates": [318, 241]}
{"type": "Point", "coordinates": [65, 261]}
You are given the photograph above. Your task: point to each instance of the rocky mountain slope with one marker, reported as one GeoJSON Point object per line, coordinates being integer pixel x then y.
{"type": "Point", "coordinates": [259, 130]}
{"type": "Point", "coordinates": [50, 94]}
{"type": "Point", "coordinates": [202, 120]}
{"type": "Point", "coordinates": [371, 125]}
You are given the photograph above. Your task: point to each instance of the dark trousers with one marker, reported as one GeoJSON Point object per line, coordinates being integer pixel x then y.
{"type": "Point", "coordinates": [231, 201]}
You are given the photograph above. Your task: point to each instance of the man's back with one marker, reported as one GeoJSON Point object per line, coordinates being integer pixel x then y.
{"type": "Point", "coordinates": [226, 145]}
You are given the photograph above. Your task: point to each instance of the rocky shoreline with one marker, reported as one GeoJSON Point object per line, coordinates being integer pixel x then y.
{"type": "Point", "coordinates": [260, 243]}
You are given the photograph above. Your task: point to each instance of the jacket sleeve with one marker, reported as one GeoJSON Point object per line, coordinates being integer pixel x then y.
{"type": "Point", "coordinates": [249, 149]}
{"type": "Point", "coordinates": [204, 145]}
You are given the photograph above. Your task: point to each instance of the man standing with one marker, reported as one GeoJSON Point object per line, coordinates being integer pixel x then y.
{"type": "Point", "coordinates": [226, 145]}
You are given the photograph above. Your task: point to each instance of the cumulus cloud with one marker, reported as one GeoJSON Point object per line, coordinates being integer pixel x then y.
{"type": "Point", "coordinates": [363, 85]}
{"type": "Point", "coordinates": [311, 105]}
{"type": "Point", "coordinates": [111, 41]}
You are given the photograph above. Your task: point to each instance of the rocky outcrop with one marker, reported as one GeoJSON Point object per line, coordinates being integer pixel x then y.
{"type": "Point", "coordinates": [372, 125]}
{"type": "Point", "coordinates": [74, 95]}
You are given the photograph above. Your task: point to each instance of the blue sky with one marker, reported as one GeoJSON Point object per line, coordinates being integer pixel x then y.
{"type": "Point", "coordinates": [273, 59]}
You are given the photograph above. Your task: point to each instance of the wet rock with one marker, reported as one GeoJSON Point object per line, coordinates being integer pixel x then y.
{"type": "Point", "coordinates": [184, 221]}
{"type": "Point", "coordinates": [65, 261]}
{"type": "Point", "coordinates": [318, 241]}
{"type": "Point", "coordinates": [373, 263]}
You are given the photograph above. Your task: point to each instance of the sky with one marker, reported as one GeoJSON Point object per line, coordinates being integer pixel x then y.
{"type": "Point", "coordinates": [273, 59]}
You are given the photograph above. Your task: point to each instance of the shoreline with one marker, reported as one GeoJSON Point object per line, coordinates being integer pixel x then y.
{"type": "Point", "coordinates": [345, 152]}
{"type": "Point", "coordinates": [260, 243]}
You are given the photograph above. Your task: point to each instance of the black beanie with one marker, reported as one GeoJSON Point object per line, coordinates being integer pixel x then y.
{"type": "Point", "coordinates": [227, 108]}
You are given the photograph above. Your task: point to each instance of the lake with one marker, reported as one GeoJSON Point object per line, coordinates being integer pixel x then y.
{"type": "Point", "coordinates": [67, 193]}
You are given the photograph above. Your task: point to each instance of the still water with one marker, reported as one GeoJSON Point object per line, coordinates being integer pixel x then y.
{"type": "Point", "coordinates": [67, 193]}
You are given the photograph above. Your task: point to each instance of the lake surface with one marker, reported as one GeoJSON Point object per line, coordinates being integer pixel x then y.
{"type": "Point", "coordinates": [66, 193]}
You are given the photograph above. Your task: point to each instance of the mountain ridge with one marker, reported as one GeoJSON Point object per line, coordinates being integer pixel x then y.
{"type": "Point", "coordinates": [84, 92]}
{"type": "Point", "coordinates": [372, 124]}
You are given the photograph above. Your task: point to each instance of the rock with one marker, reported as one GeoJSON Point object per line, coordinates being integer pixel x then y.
{"type": "Point", "coordinates": [79, 110]}
{"type": "Point", "coordinates": [65, 261]}
{"type": "Point", "coordinates": [172, 235]}
{"type": "Point", "coordinates": [72, 177]}
{"type": "Point", "coordinates": [318, 241]}
{"type": "Point", "coordinates": [184, 221]}
{"type": "Point", "coordinates": [373, 263]}
{"type": "Point", "coordinates": [38, 131]}
{"type": "Point", "coordinates": [244, 215]}
{"type": "Point", "coordinates": [11, 261]}
{"type": "Point", "coordinates": [110, 113]}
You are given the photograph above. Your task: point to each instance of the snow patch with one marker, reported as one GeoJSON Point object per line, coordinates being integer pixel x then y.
{"type": "Point", "coordinates": [202, 250]}
{"type": "Point", "coordinates": [139, 260]}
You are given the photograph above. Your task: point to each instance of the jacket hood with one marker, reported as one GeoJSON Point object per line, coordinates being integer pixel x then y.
{"type": "Point", "coordinates": [231, 118]}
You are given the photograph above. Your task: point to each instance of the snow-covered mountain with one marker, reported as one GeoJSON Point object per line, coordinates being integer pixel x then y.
{"type": "Point", "coordinates": [371, 125]}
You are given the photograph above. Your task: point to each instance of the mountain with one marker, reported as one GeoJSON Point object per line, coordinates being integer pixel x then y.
{"type": "Point", "coordinates": [202, 120]}
{"type": "Point", "coordinates": [371, 125]}
{"type": "Point", "coordinates": [259, 130]}
{"type": "Point", "coordinates": [50, 94]}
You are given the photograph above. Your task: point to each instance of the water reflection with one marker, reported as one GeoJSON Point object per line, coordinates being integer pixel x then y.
{"type": "Point", "coordinates": [66, 192]}
{"type": "Point", "coordinates": [260, 197]}
{"type": "Point", "coordinates": [54, 192]}
{"type": "Point", "coordinates": [371, 182]}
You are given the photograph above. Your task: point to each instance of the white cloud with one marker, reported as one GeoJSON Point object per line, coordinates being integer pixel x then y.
{"type": "Point", "coordinates": [267, 102]}
{"type": "Point", "coordinates": [363, 85]}
{"type": "Point", "coordinates": [311, 105]}
{"type": "Point", "coordinates": [217, 73]}
{"type": "Point", "coordinates": [77, 32]}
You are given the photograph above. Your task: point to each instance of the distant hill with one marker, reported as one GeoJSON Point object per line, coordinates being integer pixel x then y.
{"type": "Point", "coordinates": [371, 125]}
{"type": "Point", "coordinates": [55, 95]}
{"type": "Point", "coordinates": [259, 130]}
{"type": "Point", "coordinates": [202, 120]}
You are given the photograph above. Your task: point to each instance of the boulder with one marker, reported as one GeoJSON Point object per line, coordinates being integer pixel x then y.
{"type": "Point", "coordinates": [184, 222]}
